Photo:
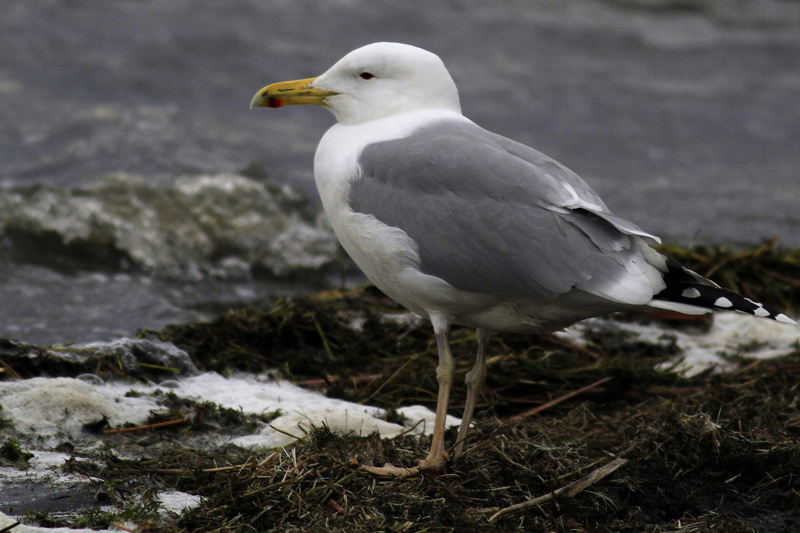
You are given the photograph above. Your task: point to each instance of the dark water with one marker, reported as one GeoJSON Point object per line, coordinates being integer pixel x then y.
{"type": "Point", "coordinates": [684, 116]}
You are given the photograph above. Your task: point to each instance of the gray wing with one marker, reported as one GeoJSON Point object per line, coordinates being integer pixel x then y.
{"type": "Point", "coordinates": [492, 216]}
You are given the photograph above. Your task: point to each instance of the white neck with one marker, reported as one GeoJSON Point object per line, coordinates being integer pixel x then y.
{"type": "Point", "coordinates": [336, 160]}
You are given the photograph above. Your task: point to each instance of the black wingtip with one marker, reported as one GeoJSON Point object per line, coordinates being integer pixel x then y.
{"type": "Point", "coordinates": [689, 288]}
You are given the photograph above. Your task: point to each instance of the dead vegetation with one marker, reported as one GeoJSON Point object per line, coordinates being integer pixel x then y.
{"type": "Point", "coordinates": [717, 452]}
{"type": "Point", "coordinates": [713, 452]}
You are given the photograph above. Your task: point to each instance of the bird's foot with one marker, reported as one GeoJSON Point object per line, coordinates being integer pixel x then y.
{"type": "Point", "coordinates": [388, 470]}
{"type": "Point", "coordinates": [434, 466]}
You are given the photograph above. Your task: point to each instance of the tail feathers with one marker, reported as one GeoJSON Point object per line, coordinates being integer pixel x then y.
{"type": "Point", "coordinates": [688, 292]}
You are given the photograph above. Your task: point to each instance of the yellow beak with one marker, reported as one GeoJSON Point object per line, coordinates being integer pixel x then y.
{"type": "Point", "coordinates": [289, 93]}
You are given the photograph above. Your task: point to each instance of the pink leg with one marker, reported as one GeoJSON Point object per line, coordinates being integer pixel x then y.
{"type": "Point", "coordinates": [475, 379]}
{"type": "Point", "coordinates": [437, 458]}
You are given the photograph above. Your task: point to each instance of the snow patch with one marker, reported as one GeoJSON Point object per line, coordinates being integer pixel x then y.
{"type": "Point", "coordinates": [177, 502]}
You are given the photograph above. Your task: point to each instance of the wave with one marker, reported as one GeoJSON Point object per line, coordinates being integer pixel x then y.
{"type": "Point", "coordinates": [224, 225]}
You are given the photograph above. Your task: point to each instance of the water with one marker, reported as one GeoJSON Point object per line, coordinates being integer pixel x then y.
{"type": "Point", "coordinates": [684, 116]}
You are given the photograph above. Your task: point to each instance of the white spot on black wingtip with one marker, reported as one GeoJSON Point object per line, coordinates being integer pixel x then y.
{"type": "Point", "coordinates": [760, 311]}
{"type": "Point", "coordinates": [723, 302]}
{"type": "Point", "coordinates": [785, 319]}
{"type": "Point", "coordinates": [754, 303]}
{"type": "Point", "coordinates": [691, 292]}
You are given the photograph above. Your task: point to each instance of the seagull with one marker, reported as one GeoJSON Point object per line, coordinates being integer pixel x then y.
{"type": "Point", "coordinates": [464, 226]}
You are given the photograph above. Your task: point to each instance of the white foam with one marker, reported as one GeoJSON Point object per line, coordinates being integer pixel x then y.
{"type": "Point", "coordinates": [701, 350]}
{"type": "Point", "coordinates": [7, 522]}
{"type": "Point", "coordinates": [57, 408]}
{"type": "Point", "coordinates": [255, 396]}
{"type": "Point", "coordinates": [43, 460]}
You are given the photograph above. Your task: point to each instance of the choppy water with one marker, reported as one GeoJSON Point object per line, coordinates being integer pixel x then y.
{"type": "Point", "coordinates": [685, 116]}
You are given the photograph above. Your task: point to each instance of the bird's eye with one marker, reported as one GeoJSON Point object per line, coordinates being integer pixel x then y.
{"type": "Point", "coordinates": [366, 76]}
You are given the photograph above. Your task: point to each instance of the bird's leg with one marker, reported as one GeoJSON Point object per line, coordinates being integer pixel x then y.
{"type": "Point", "coordinates": [435, 460]}
{"type": "Point", "coordinates": [474, 379]}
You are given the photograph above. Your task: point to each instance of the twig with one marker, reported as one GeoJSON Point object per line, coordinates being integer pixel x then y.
{"type": "Point", "coordinates": [224, 468]}
{"type": "Point", "coordinates": [111, 367]}
{"type": "Point", "coordinates": [177, 471]}
{"type": "Point", "coordinates": [13, 373]}
{"type": "Point", "coordinates": [558, 400]}
{"type": "Point", "coordinates": [159, 367]}
{"type": "Point", "coordinates": [170, 471]}
{"type": "Point", "coordinates": [279, 430]}
{"type": "Point", "coordinates": [365, 400]}
{"type": "Point", "coordinates": [9, 528]}
{"type": "Point", "coordinates": [149, 426]}
{"type": "Point", "coordinates": [781, 277]}
{"type": "Point", "coordinates": [571, 490]}
{"type": "Point", "coordinates": [322, 336]}
{"type": "Point", "coordinates": [353, 379]}
{"type": "Point", "coordinates": [573, 345]}
{"type": "Point", "coordinates": [336, 507]}
{"type": "Point", "coordinates": [409, 430]}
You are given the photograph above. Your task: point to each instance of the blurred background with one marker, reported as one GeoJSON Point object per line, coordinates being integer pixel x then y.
{"type": "Point", "coordinates": [138, 189]}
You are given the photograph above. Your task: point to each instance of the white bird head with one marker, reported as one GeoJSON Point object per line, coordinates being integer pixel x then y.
{"type": "Point", "coordinates": [372, 82]}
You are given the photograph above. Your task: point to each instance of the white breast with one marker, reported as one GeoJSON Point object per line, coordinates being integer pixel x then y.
{"type": "Point", "coordinates": [387, 255]}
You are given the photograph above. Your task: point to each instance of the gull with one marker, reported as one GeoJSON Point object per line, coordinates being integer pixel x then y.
{"type": "Point", "coordinates": [463, 226]}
